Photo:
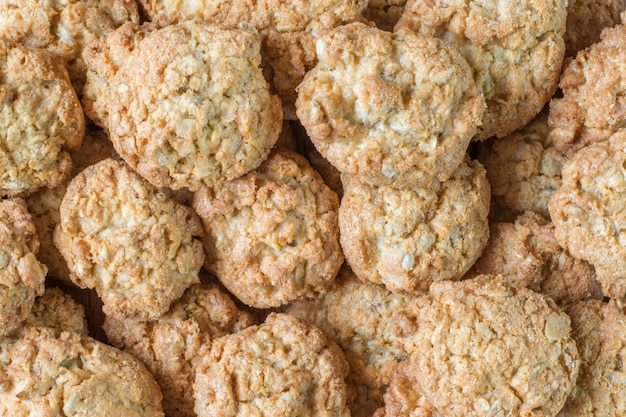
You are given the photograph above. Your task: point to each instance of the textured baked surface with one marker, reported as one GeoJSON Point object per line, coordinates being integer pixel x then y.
{"type": "Point", "coordinates": [591, 108]}
{"type": "Point", "coordinates": [515, 49]}
{"type": "Point", "coordinates": [407, 238]}
{"type": "Point", "coordinates": [21, 274]}
{"type": "Point", "coordinates": [171, 346]}
{"type": "Point", "coordinates": [385, 13]}
{"type": "Point", "coordinates": [272, 235]}
{"type": "Point", "coordinates": [291, 369]}
{"type": "Point", "coordinates": [358, 317]}
{"type": "Point", "coordinates": [40, 120]}
{"type": "Point", "coordinates": [480, 348]}
{"type": "Point", "coordinates": [189, 106]}
{"type": "Point", "coordinates": [392, 109]}
{"type": "Point", "coordinates": [129, 241]}
{"type": "Point", "coordinates": [588, 211]}
{"type": "Point", "coordinates": [62, 374]}
{"type": "Point", "coordinates": [57, 310]}
{"type": "Point", "coordinates": [586, 19]}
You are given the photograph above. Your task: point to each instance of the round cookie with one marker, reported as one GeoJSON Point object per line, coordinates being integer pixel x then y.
{"type": "Point", "coordinates": [271, 236]}
{"type": "Point", "coordinates": [291, 369]}
{"type": "Point", "coordinates": [171, 346]}
{"type": "Point", "coordinates": [385, 13]}
{"type": "Point", "coordinates": [65, 374]}
{"type": "Point", "coordinates": [593, 86]}
{"type": "Point", "coordinates": [588, 211]}
{"type": "Point", "coordinates": [21, 274]}
{"type": "Point", "coordinates": [516, 50]}
{"type": "Point", "coordinates": [586, 19]}
{"type": "Point", "coordinates": [390, 108]}
{"type": "Point", "coordinates": [480, 348]}
{"type": "Point", "coordinates": [407, 238]}
{"type": "Point", "coordinates": [128, 240]}
{"type": "Point", "coordinates": [41, 120]}
{"type": "Point", "coordinates": [189, 106]}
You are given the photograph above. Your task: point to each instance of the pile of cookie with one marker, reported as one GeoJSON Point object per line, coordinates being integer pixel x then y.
{"type": "Point", "coordinates": [331, 208]}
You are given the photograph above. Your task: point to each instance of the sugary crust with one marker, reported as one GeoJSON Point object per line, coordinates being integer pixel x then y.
{"type": "Point", "coordinates": [515, 49]}
{"type": "Point", "coordinates": [588, 211]}
{"type": "Point", "coordinates": [598, 329]}
{"type": "Point", "coordinates": [586, 19]}
{"type": "Point", "coordinates": [172, 346]}
{"type": "Point", "coordinates": [292, 369]}
{"type": "Point", "coordinates": [57, 310]}
{"type": "Point", "coordinates": [66, 374]}
{"type": "Point", "coordinates": [407, 238]}
{"type": "Point", "coordinates": [593, 84]}
{"type": "Point", "coordinates": [21, 274]}
{"type": "Point", "coordinates": [41, 119]}
{"type": "Point", "coordinates": [272, 235]}
{"type": "Point", "coordinates": [189, 106]}
{"type": "Point", "coordinates": [385, 13]}
{"type": "Point", "coordinates": [392, 109]}
{"type": "Point", "coordinates": [129, 241]}
{"type": "Point", "coordinates": [480, 348]}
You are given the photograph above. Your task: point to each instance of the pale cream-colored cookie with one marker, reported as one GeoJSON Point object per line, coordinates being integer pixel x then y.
{"type": "Point", "coordinates": [390, 108]}
{"type": "Point", "coordinates": [480, 348]}
{"type": "Point", "coordinates": [588, 211]}
{"type": "Point", "coordinates": [516, 50]}
{"type": "Point", "coordinates": [40, 120]}
{"type": "Point", "coordinates": [407, 238]}
{"type": "Point", "coordinates": [21, 274]}
{"type": "Point", "coordinates": [128, 240]}
{"type": "Point", "coordinates": [63, 374]}
{"type": "Point", "coordinates": [586, 19]}
{"type": "Point", "coordinates": [385, 13]}
{"type": "Point", "coordinates": [283, 367]}
{"type": "Point", "coordinates": [172, 346]}
{"type": "Point", "coordinates": [189, 106]}
{"type": "Point", "coordinates": [272, 235]}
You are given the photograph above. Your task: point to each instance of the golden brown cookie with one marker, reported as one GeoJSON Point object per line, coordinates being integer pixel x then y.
{"type": "Point", "coordinates": [128, 240]}
{"type": "Point", "coordinates": [291, 369]}
{"type": "Point", "coordinates": [272, 235]}
{"type": "Point", "coordinates": [172, 346]}
{"type": "Point", "coordinates": [58, 310]}
{"type": "Point", "coordinates": [41, 120]}
{"type": "Point", "coordinates": [586, 19]}
{"type": "Point", "coordinates": [407, 238]}
{"type": "Point", "coordinates": [516, 50]}
{"type": "Point", "coordinates": [480, 348]}
{"type": "Point", "coordinates": [588, 211]}
{"type": "Point", "coordinates": [390, 108]}
{"type": "Point", "coordinates": [189, 106]}
{"type": "Point", "coordinates": [385, 13]}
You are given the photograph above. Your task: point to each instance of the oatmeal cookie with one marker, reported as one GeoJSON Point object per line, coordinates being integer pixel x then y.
{"type": "Point", "coordinates": [128, 240]}
{"type": "Point", "coordinates": [272, 235]}
{"type": "Point", "coordinates": [65, 374]}
{"type": "Point", "coordinates": [516, 50]}
{"type": "Point", "coordinates": [480, 348]}
{"type": "Point", "coordinates": [291, 369]}
{"type": "Point", "coordinates": [385, 13]}
{"type": "Point", "coordinates": [391, 108]}
{"type": "Point", "coordinates": [21, 274]}
{"type": "Point", "coordinates": [57, 310]}
{"type": "Point", "coordinates": [171, 346]}
{"type": "Point", "coordinates": [593, 86]}
{"type": "Point", "coordinates": [586, 19]}
{"type": "Point", "coordinates": [407, 238]}
{"type": "Point", "coordinates": [189, 106]}
{"type": "Point", "coordinates": [41, 120]}
{"type": "Point", "coordinates": [588, 211]}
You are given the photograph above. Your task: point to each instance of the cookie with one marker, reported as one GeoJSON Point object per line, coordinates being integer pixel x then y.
{"type": "Point", "coordinates": [407, 238]}
{"type": "Point", "coordinates": [527, 254]}
{"type": "Point", "coordinates": [21, 274]}
{"type": "Point", "coordinates": [271, 236]}
{"type": "Point", "coordinates": [588, 211]}
{"type": "Point", "coordinates": [128, 240]}
{"type": "Point", "coordinates": [586, 19]}
{"type": "Point", "coordinates": [41, 120]}
{"type": "Point", "coordinates": [57, 310]}
{"type": "Point", "coordinates": [515, 50]}
{"type": "Point", "coordinates": [358, 317]}
{"type": "Point", "coordinates": [291, 369]}
{"type": "Point", "coordinates": [171, 346]}
{"type": "Point", "coordinates": [189, 106]}
{"type": "Point", "coordinates": [524, 170]}
{"type": "Point", "coordinates": [390, 108]}
{"type": "Point", "coordinates": [590, 110]}
{"type": "Point", "coordinates": [384, 13]}
{"type": "Point", "coordinates": [66, 374]}
{"type": "Point", "coordinates": [480, 348]}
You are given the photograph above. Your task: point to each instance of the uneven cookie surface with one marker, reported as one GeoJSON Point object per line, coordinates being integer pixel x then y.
{"type": "Point", "coordinates": [586, 19]}
{"type": "Point", "coordinates": [385, 13]}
